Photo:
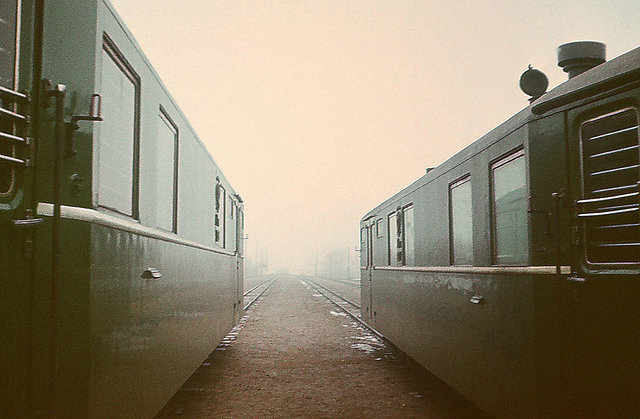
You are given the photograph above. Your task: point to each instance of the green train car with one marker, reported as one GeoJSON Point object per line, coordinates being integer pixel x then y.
{"type": "Point", "coordinates": [121, 257]}
{"type": "Point", "coordinates": [512, 270]}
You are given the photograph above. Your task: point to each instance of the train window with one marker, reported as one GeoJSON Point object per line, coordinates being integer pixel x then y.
{"type": "Point", "coordinates": [395, 249]}
{"type": "Point", "coordinates": [409, 236]}
{"type": "Point", "coordinates": [609, 206]}
{"type": "Point", "coordinates": [8, 33]}
{"type": "Point", "coordinates": [379, 228]}
{"type": "Point", "coordinates": [364, 250]}
{"type": "Point", "coordinates": [461, 222]}
{"type": "Point", "coordinates": [166, 173]}
{"type": "Point", "coordinates": [221, 197]}
{"type": "Point", "coordinates": [117, 150]}
{"type": "Point", "coordinates": [8, 58]}
{"type": "Point", "coordinates": [509, 205]}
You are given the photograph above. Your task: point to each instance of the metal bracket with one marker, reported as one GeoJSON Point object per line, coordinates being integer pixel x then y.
{"type": "Point", "coordinates": [95, 115]}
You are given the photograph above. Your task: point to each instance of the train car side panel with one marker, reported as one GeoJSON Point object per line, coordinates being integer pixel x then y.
{"type": "Point", "coordinates": [553, 265]}
{"type": "Point", "coordinates": [16, 203]}
{"type": "Point", "coordinates": [144, 288]}
{"type": "Point", "coordinates": [159, 327]}
{"type": "Point", "coordinates": [605, 162]}
{"type": "Point", "coordinates": [550, 247]}
{"type": "Point", "coordinates": [430, 317]}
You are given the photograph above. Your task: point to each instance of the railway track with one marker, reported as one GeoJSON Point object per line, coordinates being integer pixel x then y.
{"type": "Point", "coordinates": [354, 313]}
{"type": "Point", "coordinates": [355, 284]}
{"type": "Point", "coordinates": [265, 285]}
{"type": "Point", "coordinates": [338, 296]}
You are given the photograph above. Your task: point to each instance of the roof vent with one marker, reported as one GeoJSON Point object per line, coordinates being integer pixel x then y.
{"type": "Point", "coordinates": [580, 56]}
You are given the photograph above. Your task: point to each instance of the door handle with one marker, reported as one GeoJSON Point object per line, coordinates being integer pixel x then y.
{"type": "Point", "coordinates": [151, 274]}
{"type": "Point", "coordinates": [477, 299]}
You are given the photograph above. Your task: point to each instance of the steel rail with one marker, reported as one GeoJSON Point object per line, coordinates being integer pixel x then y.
{"type": "Point", "coordinates": [260, 295]}
{"type": "Point", "coordinates": [355, 284]}
{"type": "Point", "coordinates": [337, 295]}
{"type": "Point", "coordinates": [260, 284]}
{"type": "Point", "coordinates": [350, 314]}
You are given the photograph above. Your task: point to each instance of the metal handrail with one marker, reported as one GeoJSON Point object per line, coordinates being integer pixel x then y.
{"type": "Point", "coordinates": [614, 170]}
{"type": "Point", "coordinates": [609, 134]}
{"type": "Point", "coordinates": [4, 135]}
{"type": "Point", "coordinates": [4, 92]}
{"type": "Point", "coordinates": [614, 188]}
{"type": "Point", "coordinates": [10, 114]}
{"type": "Point", "coordinates": [603, 213]}
{"type": "Point", "coordinates": [626, 225]}
{"type": "Point", "coordinates": [607, 198]}
{"type": "Point", "coordinates": [12, 160]}
{"type": "Point", "coordinates": [621, 244]}
{"type": "Point", "coordinates": [610, 152]}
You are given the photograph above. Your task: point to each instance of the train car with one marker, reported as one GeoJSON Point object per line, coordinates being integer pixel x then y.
{"type": "Point", "coordinates": [121, 258]}
{"type": "Point", "coordinates": [512, 270]}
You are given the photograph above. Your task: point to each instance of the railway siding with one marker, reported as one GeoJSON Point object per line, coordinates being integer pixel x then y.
{"type": "Point", "coordinates": [294, 354]}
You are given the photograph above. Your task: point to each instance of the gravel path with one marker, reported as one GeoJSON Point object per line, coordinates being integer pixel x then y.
{"type": "Point", "coordinates": [296, 355]}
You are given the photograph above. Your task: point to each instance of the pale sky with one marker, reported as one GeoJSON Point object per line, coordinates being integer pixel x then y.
{"type": "Point", "coordinates": [317, 111]}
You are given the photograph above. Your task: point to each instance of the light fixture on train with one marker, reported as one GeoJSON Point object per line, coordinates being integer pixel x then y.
{"type": "Point", "coordinates": [534, 83]}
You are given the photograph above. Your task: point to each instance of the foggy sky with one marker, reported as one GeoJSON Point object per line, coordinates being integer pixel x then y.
{"type": "Point", "coordinates": [316, 111]}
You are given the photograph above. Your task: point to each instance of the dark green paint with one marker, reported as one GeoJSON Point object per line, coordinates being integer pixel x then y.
{"type": "Point", "coordinates": [124, 344]}
{"type": "Point", "coordinates": [540, 345]}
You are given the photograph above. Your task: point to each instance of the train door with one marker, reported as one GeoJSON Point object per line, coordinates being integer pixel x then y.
{"type": "Point", "coordinates": [18, 222]}
{"type": "Point", "coordinates": [604, 289]}
{"type": "Point", "coordinates": [239, 259]}
{"type": "Point", "coordinates": [366, 268]}
{"type": "Point", "coordinates": [370, 265]}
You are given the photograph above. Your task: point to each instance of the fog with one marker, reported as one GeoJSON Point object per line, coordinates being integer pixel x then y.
{"type": "Point", "coordinates": [316, 111]}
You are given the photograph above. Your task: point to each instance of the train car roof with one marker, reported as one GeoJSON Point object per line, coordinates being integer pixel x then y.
{"type": "Point", "coordinates": [471, 150]}
{"type": "Point", "coordinates": [620, 70]}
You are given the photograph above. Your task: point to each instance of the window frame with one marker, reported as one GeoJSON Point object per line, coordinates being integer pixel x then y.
{"type": "Point", "coordinates": [497, 163]}
{"type": "Point", "coordinates": [393, 214]}
{"type": "Point", "coordinates": [113, 52]}
{"type": "Point", "coordinates": [462, 180]}
{"type": "Point", "coordinates": [165, 118]}
{"type": "Point", "coordinates": [16, 45]}
{"type": "Point", "coordinates": [12, 149]}
{"type": "Point", "coordinates": [379, 228]}
{"type": "Point", "coordinates": [404, 209]}
{"type": "Point", "coordinates": [220, 209]}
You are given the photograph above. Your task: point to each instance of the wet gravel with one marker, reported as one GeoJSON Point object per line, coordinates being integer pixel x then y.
{"type": "Point", "coordinates": [294, 354]}
{"type": "Point", "coordinates": [348, 290]}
